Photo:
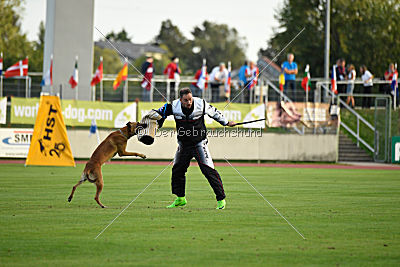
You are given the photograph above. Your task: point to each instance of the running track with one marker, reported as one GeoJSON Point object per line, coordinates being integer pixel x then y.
{"type": "Point", "coordinates": [359, 166]}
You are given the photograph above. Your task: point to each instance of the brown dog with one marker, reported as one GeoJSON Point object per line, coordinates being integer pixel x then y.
{"type": "Point", "coordinates": [113, 144]}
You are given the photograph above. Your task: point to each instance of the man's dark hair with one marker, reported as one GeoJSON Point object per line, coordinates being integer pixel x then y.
{"type": "Point", "coordinates": [184, 91]}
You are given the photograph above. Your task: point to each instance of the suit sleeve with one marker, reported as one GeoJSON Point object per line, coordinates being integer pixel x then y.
{"type": "Point", "coordinates": [215, 114]}
{"type": "Point", "coordinates": [164, 111]}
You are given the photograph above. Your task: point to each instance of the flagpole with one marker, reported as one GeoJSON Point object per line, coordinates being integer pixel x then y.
{"type": "Point", "coordinates": [77, 86]}
{"type": "Point", "coordinates": [125, 91]}
{"type": "Point", "coordinates": [229, 88]}
{"type": "Point", "coordinates": [204, 89]}
{"type": "Point", "coordinates": [51, 74]}
{"type": "Point", "coordinates": [395, 88]}
{"type": "Point", "coordinates": [101, 90]}
{"type": "Point", "coordinates": [1, 77]}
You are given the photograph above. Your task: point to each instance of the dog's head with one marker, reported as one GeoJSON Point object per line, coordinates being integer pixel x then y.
{"type": "Point", "coordinates": [133, 127]}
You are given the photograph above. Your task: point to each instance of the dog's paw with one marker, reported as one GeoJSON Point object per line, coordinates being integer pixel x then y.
{"type": "Point", "coordinates": [142, 156]}
{"type": "Point", "coordinates": [103, 207]}
{"type": "Point", "coordinates": [69, 199]}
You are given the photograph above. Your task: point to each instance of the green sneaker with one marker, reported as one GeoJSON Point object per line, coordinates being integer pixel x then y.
{"type": "Point", "coordinates": [221, 204]}
{"type": "Point", "coordinates": [178, 202]}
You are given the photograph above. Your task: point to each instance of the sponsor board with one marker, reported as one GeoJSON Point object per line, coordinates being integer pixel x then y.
{"type": "Point", "coordinates": [76, 113]}
{"type": "Point", "coordinates": [233, 112]}
{"type": "Point", "coordinates": [314, 114]}
{"type": "Point", "coordinates": [3, 110]}
{"type": "Point", "coordinates": [396, 149]}
{"type": "Point", "coordinates": [14, 142]}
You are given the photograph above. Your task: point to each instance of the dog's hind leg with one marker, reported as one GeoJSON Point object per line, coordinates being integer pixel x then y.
{"type": "Point", "coordinates": [83, 178]}
{"type": "Point", "coordinates": [99, 187]}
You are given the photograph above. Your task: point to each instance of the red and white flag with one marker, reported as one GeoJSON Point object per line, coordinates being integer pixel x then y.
{"type": "Point", "coordinates": [98, 76]}
{"type": "Point", "coordinates": [333, 81]}
{"type": "Point", "coordinates": [73, 81]}
{"type": "Point", "coordinates": [18, 69]}
{"type": "Point", "coordinates": [1, 63]}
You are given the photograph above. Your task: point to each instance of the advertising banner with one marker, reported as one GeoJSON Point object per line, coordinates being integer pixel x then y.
{"type": "Point", "coordinates": [396, 149]}
{"type": "Point", "coordinates": [50, 145]}
{"type": "Point", "coordinates": [3, 110]}
{"type": "Point", "coordinates": [77, 113]}
{"type": "Point", "coordinates": [284, 114]}
{"type": "Point", "coordinates": [233, 112]}
{"type": "Point", "coordinates": [14, 142]}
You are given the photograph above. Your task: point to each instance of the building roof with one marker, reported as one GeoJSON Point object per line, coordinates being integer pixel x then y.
{"type": "Point", "coordinates": [271, 69]}
{"type": "Point", "coordinates": [131, 50]}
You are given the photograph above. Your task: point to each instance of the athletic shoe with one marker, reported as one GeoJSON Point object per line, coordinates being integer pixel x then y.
{"type": "Point", "coordinates": [221, 204]}
{"type": "Point", "coordinates": [178, 202]}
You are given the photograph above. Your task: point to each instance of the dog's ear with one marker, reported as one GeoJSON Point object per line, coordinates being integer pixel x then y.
{"type": "Point", "coordinates": [128, 125]}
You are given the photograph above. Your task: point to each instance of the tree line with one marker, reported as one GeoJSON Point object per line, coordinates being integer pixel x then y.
{"type": "Point", "coordinates": [361, 31]}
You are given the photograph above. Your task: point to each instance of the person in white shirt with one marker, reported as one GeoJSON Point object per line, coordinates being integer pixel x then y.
{"type": "Point", "coordinates": [217, 78]}
{"type": "Point", "coordinates": [366, 77]}
{"type": "Point", "coordinates": [350, 86]}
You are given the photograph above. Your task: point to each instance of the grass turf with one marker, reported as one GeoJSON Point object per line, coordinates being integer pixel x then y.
{"type": "Point", "coordinates": [349, 217]}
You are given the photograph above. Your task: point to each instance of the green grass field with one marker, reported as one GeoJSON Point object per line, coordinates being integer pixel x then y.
{"type": "Point", "coordinates": [349, 217]}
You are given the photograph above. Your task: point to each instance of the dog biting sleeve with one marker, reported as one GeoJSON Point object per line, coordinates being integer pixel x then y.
{"type": "Point", "coordinates": [146, 135]}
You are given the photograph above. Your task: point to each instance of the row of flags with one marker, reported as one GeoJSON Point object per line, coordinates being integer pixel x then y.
{"type": "Point", "coordinates": [21, 69]}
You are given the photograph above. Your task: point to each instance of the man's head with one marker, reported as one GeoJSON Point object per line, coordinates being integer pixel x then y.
{"type": "Point", "coordinates": [149, 59]}
{"type": "Point", "coordinates": [290, 57]}
{"type": "Point", "coordinates": [343, 62]}
{"type": "Point", "coordinates": [252, 64]}
{"type": "Point", "coordinates": [186, 97]}
{"type": "Point", "coordinates": [391, 67]}
{"type": "Point", "coordinates": [175, 59]}
{"type": "Point", "coordinates": [221, 66]}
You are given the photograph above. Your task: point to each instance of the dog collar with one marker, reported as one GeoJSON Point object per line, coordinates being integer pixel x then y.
{"type": "Point", "coordinates": [123, 134]}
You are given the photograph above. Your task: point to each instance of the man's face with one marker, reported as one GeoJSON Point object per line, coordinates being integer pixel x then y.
{"type": "Point", "coordinates": [291, 58]}
{"type": "Point", "coordinates": [187, 100]}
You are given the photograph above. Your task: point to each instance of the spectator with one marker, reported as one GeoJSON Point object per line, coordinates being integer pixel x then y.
{"type": "Point", "coordinates": [172, 71]}
{"type": "Point", "coordinates": [290, 70]}
{"type": "Point", "coordinates": [350, 85]}
{"type": "Point", "coordinates": [388, 77]}
{"type": "Point", "coordinates": [366, 77]}
{"type": "Point", "coordinates": [252, 80]}
{"type": "Point", "coordinates": [201, 84]}
{"type": "Point", "coordinates": [147, 72]}
{"type": "Point", "coordinates": [341, 74]}
{"type": "Point", "coordinates": [242, 74]}
{"type": "Point", "coordinates": [217, 79]}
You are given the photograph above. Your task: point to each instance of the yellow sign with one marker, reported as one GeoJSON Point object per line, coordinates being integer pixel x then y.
{"type": "Point", "coordinates": [49, 144]}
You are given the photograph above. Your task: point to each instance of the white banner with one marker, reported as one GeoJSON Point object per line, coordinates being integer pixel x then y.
{"type": "Point", "coordinates": [14, 142]}
{"type": "Point", "coordinates": [3, 110]}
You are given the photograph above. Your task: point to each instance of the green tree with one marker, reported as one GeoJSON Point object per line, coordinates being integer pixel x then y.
{"type": "Point", "coordinates": [121, 36]}
{"type": "Point", "coordinates": [36, 53]}
{"type": "Point", "coordinates": [111, 61]}
{"type": "Point", "coordinates": [13, 42]}
{"type": "Point", "coordinates": [362, 32]}
{"type": "Point", "coordinates": [217, 43]}
{"type": "Point", "coordinates": [173, 38]}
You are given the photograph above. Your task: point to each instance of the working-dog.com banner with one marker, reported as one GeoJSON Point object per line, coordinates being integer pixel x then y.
{"type": "Point", "coordinates": [76, 113]}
